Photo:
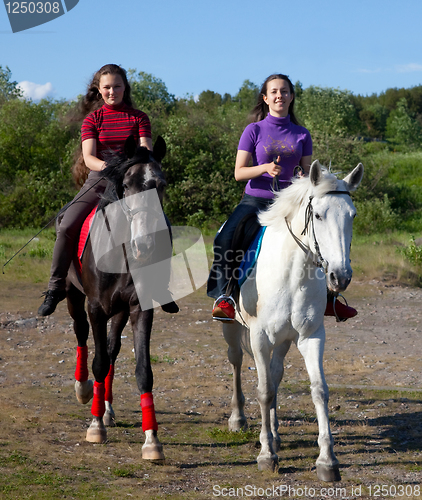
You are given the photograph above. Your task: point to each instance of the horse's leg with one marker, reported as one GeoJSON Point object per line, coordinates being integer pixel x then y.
{"type": "Point", "coordinates": [76, 306]}
{"type": "Point", "coordinates": [267, 458]}
{"type": "Point", "coordinates": [232, 334]}
{"type": "Point", "coordinates": [142, 325]}
{"type": "Point", "coordinates": [277, 371]}
{"type": "Point", "coordinates": [114, 344]}
{"type": "Point", "coordinates": [96, 432]}
{"type": "Point", "coordinates": [312, 350]}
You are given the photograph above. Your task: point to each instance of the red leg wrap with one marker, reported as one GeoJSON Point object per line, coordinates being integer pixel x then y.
{"type": "Point", "coordinates": [81, 372]}
{"type": "Point", "coordinates": [149, 421]}
{"type": "Point", "coordinates": [98, 404]}
{"type": "Point", "coordinates": [109, 385]}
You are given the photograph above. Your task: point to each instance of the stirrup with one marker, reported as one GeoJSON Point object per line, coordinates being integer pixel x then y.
{"type": "Point", "coordinates": [230, 300]}
{"type": "Point", "coordinates": [334, 308]}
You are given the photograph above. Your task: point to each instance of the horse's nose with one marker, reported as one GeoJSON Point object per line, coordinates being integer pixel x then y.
{"type": "Point", "coordinates": [339, 283]}
{"type": "Point", "coordinates": [142, 247]}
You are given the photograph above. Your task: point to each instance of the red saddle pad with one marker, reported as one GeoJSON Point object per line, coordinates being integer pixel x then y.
{"type": "Point", "coordinates": [83, 237]}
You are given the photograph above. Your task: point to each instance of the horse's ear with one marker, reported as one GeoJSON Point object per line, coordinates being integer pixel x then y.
{"type": "Point", "coordinates": [354, 178]}
{"type": "Point", "coordinates": [130, 147]}
{"type": "Point", "coordinates": [315, 173]}
{"type": "Point", "coordinates": [160, 149]}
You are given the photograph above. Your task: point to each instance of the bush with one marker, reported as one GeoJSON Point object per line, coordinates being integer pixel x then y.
{"type": "Point", "coordinates": [375, 216]}
{"type": "Point", "coordinates": [412, 253]}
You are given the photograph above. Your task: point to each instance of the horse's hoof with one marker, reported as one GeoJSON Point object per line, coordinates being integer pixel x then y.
{"type": "Point", "coordinates": [84, 391]}
{"type": "Point", "coordinates": [238, 424]}
{"type": "Point", "coordinates": [328, 474]}
{"type": "Point", "coordinates": [268, 464]}
{"type": "Point", "coordinates": [96, 432]}
{"type": "Point", "coordinates": [153, 452]}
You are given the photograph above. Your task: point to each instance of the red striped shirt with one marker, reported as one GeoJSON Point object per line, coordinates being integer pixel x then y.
{"type": "Point", "coordinates": [111, 126]}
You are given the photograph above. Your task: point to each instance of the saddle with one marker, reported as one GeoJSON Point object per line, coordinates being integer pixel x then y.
{"type": "Point", "coordinates": [245, 246]}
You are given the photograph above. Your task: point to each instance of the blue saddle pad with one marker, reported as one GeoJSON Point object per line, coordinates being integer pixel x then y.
{"type": "Point", "coordinates": [249, 260]}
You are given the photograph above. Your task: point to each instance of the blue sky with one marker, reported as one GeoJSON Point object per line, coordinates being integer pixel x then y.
{"type": "Point", "coordinates": [364, 46]}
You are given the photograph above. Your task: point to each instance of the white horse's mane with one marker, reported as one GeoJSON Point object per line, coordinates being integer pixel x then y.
{"type": "Point", "coordinates": [289, 201]}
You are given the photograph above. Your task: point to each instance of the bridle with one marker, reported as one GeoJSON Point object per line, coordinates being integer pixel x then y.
{"type": "Point", "coordinates": [131, 212]}
{"type": "Point", "coordinates": [309, 221]}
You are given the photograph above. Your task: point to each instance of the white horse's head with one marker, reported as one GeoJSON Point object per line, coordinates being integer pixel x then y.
{"type": "Point", "coordinates": [324, 202]}
{"type": "Point", "coordinates": [331, 213]}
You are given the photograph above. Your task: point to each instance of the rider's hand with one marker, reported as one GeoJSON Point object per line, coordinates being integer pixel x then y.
{"type": "Point", "coordinates": [274, 168]}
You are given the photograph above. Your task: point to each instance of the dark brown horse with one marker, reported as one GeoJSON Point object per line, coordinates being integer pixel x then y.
{"type": "Point", "coordinates": [124, 239]}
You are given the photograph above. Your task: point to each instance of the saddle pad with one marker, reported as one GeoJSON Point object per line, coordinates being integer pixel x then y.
{"type": "Point", "coordinates": [251, 255]}
{"type": "Point", "coordinates": [83, 237]}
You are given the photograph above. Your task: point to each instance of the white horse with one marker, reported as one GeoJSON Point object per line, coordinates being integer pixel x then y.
{"type": "Point", "coordinates": [305, 248]}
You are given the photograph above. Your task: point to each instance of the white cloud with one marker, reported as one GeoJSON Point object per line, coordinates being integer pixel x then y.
{"type": "Point", "coordinates": [409, 68]}
{"type": "Point", "coordinates": [36, 91]}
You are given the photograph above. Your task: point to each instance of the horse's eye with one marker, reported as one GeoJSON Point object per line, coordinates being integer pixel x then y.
{"type": "Point", "coordinates": [318, 217]}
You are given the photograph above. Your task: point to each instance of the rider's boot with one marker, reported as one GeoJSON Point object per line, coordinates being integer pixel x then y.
{"type": "Point", "coordinates": [52, 298]}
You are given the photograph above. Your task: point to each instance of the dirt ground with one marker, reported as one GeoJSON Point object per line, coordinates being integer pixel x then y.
{"type": "Point", "coordinates": [373, 369]}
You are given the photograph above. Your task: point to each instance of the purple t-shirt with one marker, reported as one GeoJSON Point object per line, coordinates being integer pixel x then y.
{"type": "Point", "coordinates": [269, 138]}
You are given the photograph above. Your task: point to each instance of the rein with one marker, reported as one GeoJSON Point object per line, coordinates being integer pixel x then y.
{"type": "Point", "coordinates": [62, 210]}
{"type": "Point", "coordinates": [309, 220]}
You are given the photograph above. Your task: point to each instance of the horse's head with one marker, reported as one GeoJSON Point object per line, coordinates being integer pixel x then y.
{"type": "Point", "coordinates": [330, 215]}
{"type": "Point", "coordinates": [139, 183]}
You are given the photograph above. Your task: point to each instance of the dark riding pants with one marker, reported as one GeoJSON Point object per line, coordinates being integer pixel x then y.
{"type": "Point", "coordinates": [221, 269]}
{"type": "Point", "coordinates": [69, 229]}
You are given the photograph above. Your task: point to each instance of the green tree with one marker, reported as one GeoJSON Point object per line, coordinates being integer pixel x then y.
{"type": "Point", "coordinates": [374, 118]}
{"type": "Point", "coordinates": [35, 158]}
{"type": "Point", "coordinates": [329, 111]}
{"type": "Point", "coordinates": [402, 127]}
{"type": "Point", "coordinates": [202, 144]}
{"type": "Point", "coordinates": [209, 99]}
{"type": "Point", "coordinates": [247, 95]}
{"type": "Point", "coordinates": [8, 89]}
{"type": "Point", "coordinates": [147, 88]}
{"type": "Point", "coordinates": [151, 95]}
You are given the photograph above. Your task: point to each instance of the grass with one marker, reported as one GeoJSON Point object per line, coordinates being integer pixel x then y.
{"type": "Point", "coordinates": [375, 256]}
{"type": "Point", "coordinates": [33, 261]}
{"type": "Point", "coordinates": [381, 257]}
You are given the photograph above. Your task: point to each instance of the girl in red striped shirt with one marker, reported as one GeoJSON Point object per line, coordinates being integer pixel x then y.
{"type": "Point", "coordinates": [110, 119]}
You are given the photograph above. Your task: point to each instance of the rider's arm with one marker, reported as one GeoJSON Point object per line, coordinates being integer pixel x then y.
{"type": "Point", "coordinates": [146, 142]}
{"type": "Point", "coordinates": [89, 151]}
{"type": "Point", "coordinates": [243, 172]}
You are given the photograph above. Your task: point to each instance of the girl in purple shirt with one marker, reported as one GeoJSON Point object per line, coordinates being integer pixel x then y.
{"type": "Point", "coordinates": [276, 145]}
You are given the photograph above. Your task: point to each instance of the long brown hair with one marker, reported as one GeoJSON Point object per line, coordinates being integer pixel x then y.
{"type": "Point", "coordinates": [91, 102]}
{"type": "Point", "coordinates": [261, 109]}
